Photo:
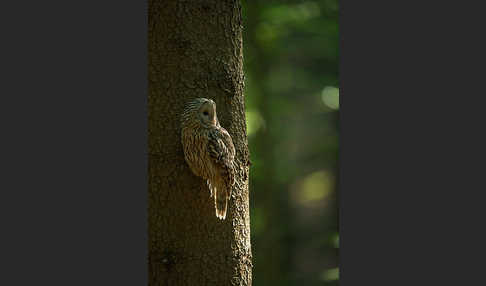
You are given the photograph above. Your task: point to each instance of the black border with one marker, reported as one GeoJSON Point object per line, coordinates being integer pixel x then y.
{"type": "Point", "coordinates": [410, 131]}
{"type": "Point", "coordinates": [74, 143]}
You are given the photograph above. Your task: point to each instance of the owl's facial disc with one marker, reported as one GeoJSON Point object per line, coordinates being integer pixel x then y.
{"type": "Point", "coordinates": [207, 113]}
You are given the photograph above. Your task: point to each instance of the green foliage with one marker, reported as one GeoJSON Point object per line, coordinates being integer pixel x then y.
{"type": "Point", "coordinates": [292, 101]}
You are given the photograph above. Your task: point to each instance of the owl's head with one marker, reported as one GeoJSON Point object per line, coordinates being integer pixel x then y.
{"type": "Point", "coordinates": [202, 111]}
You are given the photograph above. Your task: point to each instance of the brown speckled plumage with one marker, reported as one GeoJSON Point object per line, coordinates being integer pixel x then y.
{"type": "Point", "coordinates": [209, 150]}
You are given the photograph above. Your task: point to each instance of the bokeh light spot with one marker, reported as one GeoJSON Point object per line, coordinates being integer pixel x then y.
{"type": "Point", "coordinates": [254, 121]}
{"type": "Point", "coordinates": [335, 240]}
{"type": "Point", "coordinates": [330, 274]}
{"type": "Point", "coordinates": [315, 187]}
{"type": "Point", "coordinates": [330, 97]}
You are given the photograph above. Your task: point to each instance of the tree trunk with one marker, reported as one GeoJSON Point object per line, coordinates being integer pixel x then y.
{"type": "Point", "coordinates": [195, 50]}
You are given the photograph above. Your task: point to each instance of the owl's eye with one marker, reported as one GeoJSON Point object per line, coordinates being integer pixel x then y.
{"type": "Point", "coordinates": [206, 113]}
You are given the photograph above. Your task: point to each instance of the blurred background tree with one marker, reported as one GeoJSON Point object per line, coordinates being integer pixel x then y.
{"type": "Point", "coordinates": [292, 102]}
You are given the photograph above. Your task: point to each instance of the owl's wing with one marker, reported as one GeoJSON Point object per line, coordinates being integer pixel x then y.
{"type": "Point", "coordinates": [228, 142]}
{"type": "Point", "coordinates": [222, 153]}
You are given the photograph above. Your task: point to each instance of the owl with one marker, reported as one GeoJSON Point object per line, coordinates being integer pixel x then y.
{"type": "Point", "coordinates": [209, 151]}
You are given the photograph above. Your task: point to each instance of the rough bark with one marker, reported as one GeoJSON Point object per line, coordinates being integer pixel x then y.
{"type": "Point", "coordinates": [195, 50]}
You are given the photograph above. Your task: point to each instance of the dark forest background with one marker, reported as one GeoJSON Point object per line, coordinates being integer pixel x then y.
{"type": "Point", "coordinates": [291, 59]}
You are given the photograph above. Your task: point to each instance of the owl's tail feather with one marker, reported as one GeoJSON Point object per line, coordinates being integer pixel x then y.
{"type": "Point", "coordinates": [220, 203]}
